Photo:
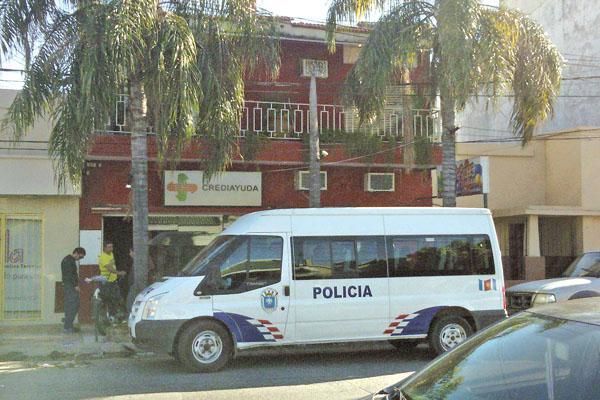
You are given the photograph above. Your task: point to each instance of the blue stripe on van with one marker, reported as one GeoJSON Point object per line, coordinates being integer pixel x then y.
{"type": "Point", "coordinates": [242, 328]}
{"type": "Point", "coordinates": [420, 324]}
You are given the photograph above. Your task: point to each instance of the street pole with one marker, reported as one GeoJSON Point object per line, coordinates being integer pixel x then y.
{"type": "Point", "coordinates": [315, 156]}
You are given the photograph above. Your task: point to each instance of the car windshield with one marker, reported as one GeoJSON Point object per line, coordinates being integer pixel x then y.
{"type": "Point", "coordinates": [210, 254]}
{"type": "Point", "coordinates": [525, 357]}
{"type": "Point", "coordinates": [587, 264]}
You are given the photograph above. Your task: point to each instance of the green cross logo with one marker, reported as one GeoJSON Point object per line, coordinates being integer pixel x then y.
{"type": "Point", "coordinates": [182, 187]}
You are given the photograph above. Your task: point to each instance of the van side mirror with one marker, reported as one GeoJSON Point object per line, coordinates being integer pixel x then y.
{"type": "Point", "coordinates": [205, 288]}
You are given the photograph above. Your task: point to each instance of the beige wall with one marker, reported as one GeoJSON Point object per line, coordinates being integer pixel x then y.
{"type": "Point", "coordinates": [60, 216]}
{"type": "Point", "coordinates": [590, 170]}
{"type": "Point", "coordinates": [39, 132]}
{"type": "Point", "coordinates": [590, 234]}
{"type": "Point", "coordinates": [563, 172]}
{"type": "Point", "coordinates": [517, 175]}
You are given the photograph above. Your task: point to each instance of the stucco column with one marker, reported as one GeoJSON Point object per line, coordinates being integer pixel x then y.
{"type": "Point", "coordinates": [533, 236]}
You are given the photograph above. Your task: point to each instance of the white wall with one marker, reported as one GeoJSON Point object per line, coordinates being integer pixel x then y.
{"type": "Point", "coordinates": [573, 27]}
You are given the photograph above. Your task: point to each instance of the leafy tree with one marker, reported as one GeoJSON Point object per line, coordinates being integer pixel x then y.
{"type": "Point", "coordinates": [182, 63]}
{"type": "Point", "coordinates": [475, 51]}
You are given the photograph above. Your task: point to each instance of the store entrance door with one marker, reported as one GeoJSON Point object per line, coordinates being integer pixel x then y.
{"type": "Point", "coordinates": [20, 267]}
{"type": "Point", "coordinates": [119, 231]}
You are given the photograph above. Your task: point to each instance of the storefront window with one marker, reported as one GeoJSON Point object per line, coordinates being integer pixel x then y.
{"type": "Point", "coordinates": [22, 269]}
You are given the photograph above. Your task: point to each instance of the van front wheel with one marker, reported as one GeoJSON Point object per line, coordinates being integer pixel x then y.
{"type": "Point", "coordinates": [448, 332]}
{"type": "Point", "coordinates": [204, 346]}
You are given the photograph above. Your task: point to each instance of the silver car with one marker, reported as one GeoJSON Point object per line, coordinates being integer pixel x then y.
{"type": "Point", "coordinates": [581, 279]}
{"type": "Point", "coordinates": [546, 353]}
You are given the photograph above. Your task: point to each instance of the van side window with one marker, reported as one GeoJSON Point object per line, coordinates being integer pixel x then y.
{"type": "Point", "coordinates": [339, 257]}
{"type": "Point", "coordinates": [439, 255]}
{"type": "Point", "coordinates": [370, 254]}
{"type": "Point", "coordinates": [312, 258]}
{"type": "Point", "coordinates": [247, 263]}
{"type": "Point", "coordinates": [264, 267]}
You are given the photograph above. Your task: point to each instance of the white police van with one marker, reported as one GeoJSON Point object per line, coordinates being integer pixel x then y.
{"type": "Point", "coordinates": [303, 276]}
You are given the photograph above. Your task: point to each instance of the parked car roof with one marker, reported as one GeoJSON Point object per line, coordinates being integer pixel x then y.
{"type": "Point", "coordinates": [580, 310]}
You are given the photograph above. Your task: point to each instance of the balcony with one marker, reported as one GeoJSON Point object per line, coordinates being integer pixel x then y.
{"type": "Point", "coordinates": [278, 120]}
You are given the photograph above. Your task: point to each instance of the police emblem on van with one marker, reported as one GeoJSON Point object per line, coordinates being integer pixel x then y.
{"type": "Point", "coordinates": [268, 300]}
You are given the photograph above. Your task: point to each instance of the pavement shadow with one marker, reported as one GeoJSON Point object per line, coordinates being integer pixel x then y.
{"type": "Point", "coordinates": [269, 370]}
{"type": "Point", "coordinates": [297, 366]}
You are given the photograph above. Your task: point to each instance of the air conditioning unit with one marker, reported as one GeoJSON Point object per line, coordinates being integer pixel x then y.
{"type": "Point", "coordinates": [302, 180]}
{"type": "Point", "coordinates": [380, 182]}
{"type": "Point", "coordinates": [320, 68]}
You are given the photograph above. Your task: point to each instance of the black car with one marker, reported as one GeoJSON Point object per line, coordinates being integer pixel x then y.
{"type": "Point", "coordinates": [546, 353]}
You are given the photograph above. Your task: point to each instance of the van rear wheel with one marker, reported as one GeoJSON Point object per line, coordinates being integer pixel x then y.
{"type": "Point", "coordinates": [204, 346]}
{"type": "Point", "coordinates": [448, 332]}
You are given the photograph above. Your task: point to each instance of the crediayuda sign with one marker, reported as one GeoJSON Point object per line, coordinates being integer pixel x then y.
{"type": "Point", "coordinates": [188, 188]}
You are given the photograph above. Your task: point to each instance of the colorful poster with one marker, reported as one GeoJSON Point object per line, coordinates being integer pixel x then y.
{"type": "Point", "coordinates": [472, 177]}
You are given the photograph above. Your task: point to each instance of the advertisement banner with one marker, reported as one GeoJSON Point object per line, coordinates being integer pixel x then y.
{"type": "Point", "coordinates": [189, 188]}
{"type": "Point", "coordinates": [472, 177]}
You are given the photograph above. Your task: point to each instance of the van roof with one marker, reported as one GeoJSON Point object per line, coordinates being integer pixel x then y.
{"type": "Point", "coordinates": [376, 211]}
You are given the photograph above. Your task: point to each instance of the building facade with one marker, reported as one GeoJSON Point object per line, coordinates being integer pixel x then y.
{"type": "Point", "coordinates": [271, 169]}
{"type": "Point", "coordinates": [544, 198]}
{"type": "Point", "coordinates": [39, 225]}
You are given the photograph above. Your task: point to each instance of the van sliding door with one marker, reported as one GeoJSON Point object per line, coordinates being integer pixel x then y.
{"type": "Point", "coordinates": [340, 287]}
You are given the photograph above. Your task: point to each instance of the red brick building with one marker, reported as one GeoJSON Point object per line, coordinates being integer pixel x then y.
{"type": "Point", "coordinates": [279, 110]}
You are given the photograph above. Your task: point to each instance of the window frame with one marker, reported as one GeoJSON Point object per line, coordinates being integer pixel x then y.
{"type": "Point", "coordinates": [208, 284]}
{"type": "Point", "coordinates": [339, 238]}
{"type": "Point", "coordinates": [392, 267]}
{"type": "Point", "coordinates": [306, 188]}
{"type": "Point", "coordinates": [368, 181]}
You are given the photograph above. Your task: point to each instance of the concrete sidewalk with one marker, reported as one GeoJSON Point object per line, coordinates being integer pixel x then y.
{"type": "Point", "coordinates": [19, 343]}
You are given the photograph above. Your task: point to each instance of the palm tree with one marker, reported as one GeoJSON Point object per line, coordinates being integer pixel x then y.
{"type": "Point", "coordinates": [475, 50]}
{"type": "Point", "coordinates": [182, 63]}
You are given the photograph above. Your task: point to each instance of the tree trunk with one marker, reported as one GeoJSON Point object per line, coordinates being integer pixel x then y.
{"type": "Point", "coordinates": [139, 185]}
{"type": "Point", "coordinates": [448, 111]}
{"type": "Point", "coordinates": [408, 121]}
{"type": "Point", "coordinates": [315, 166]}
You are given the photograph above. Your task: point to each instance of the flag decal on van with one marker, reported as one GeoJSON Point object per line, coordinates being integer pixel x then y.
{"type": "Point", "coordinates": [486, 285]}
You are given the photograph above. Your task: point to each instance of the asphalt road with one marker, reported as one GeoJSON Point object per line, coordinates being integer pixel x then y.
{"type": "Point", "coordinates": [314, 372]}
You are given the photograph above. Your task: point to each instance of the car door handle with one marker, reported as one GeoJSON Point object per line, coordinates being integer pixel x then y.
{"type": "Point", "coordinates": [286, 290]}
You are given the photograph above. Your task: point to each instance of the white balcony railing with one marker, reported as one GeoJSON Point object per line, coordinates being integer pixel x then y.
{"type": "Point", "coordinates": [292, 120]}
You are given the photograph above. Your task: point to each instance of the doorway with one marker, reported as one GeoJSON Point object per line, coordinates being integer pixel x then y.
{"type": "Point", "coordinates": [516, 250]}
{"type": "Point", "coordinates": [119, 231]}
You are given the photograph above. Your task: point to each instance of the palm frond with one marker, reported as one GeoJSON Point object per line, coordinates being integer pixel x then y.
{"type": "Point", "coordinates": [394, 44]}
{"type": "Point", "coordinates": [172, 84]}
{"type": "Point", "coordinates": [457, 28]}
{"type": "Point", "coordinates": [348, 11]}
{"type": "Point", "coordinates": [233, 42]}
{"type": "Point", "coordinates": [22, 23]}
{"type": "Point", "coordinates": [537, 76]}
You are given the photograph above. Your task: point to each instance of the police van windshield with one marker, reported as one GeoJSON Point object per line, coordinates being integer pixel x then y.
{"type": "Point", "coordinates": [200, 264]}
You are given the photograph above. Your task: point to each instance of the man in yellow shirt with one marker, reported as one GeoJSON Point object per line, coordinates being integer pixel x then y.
{"type": "Point", "coordinates": [106, 262]}
{"type": "Point", "coordinates": [110, 292]}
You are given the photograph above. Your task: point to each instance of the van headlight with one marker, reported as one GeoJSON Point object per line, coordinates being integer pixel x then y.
{"type": "Point", "coordinates": [151, 307]}
{"type": "Point", "coordinates": [543, 298]}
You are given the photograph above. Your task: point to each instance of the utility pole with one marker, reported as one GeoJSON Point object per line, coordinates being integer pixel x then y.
{"type": "Point", "coordinates": [315, 156]}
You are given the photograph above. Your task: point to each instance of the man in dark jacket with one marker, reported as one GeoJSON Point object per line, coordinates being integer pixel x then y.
{"type": "Point", "coordinates": [70, 279]}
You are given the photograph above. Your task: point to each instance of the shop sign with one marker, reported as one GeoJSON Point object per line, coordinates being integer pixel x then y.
{"type": "Point", "coordinates": [472, 177]}
{"type": "Point", "coordinates": [189, 188]}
